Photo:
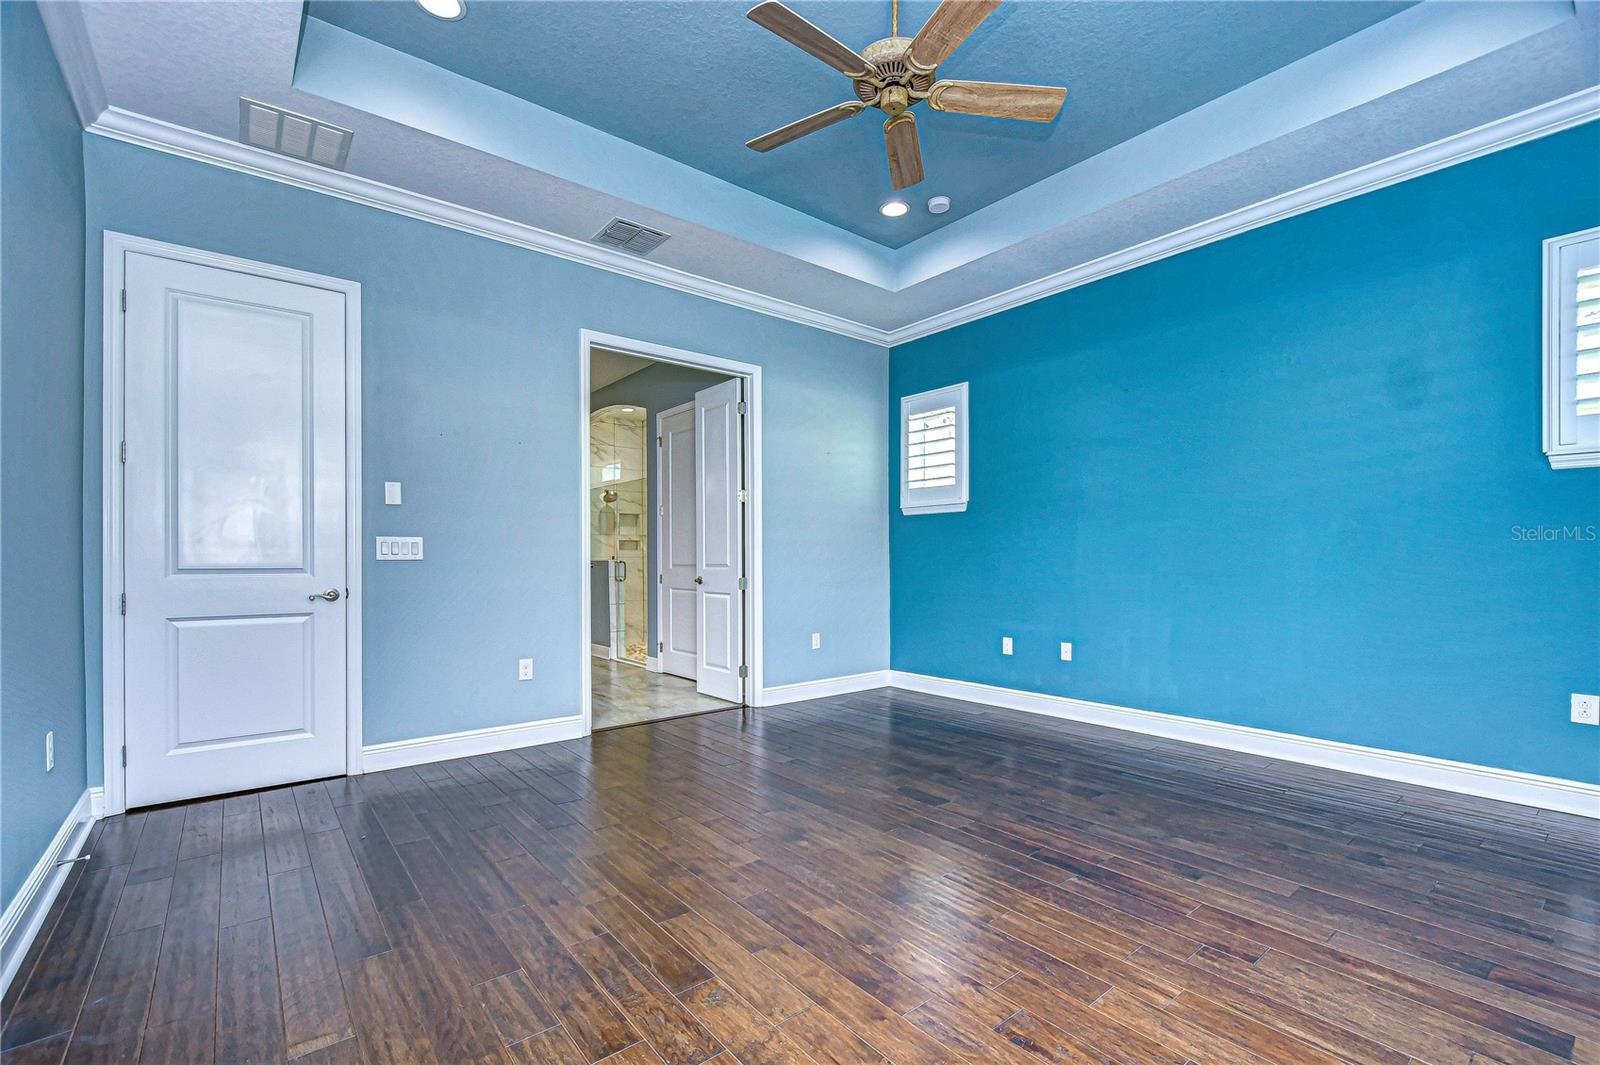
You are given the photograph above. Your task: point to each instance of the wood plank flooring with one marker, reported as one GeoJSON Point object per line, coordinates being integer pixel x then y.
{"type": "Point", "coordinates": [881, 877]}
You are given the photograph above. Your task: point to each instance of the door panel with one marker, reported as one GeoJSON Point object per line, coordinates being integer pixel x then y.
{"type": "Point", "coordinates": [719, 476]}
{"type": "Point", "coordinates": [677, 636]}
{"type": "Point", "coordinates": [234, 518]}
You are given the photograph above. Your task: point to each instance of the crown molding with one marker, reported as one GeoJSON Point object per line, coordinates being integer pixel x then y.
{"type": "Point", "coordinates": [146, 132]}
{"type": "Point", "coordinates": [1536, 122]}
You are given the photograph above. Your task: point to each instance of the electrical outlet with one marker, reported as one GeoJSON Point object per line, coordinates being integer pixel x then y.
{"type": "Point", "coordinates": [1005, 645]}
{"type": "Point", "coordinates": [524, 669]}
{"type": "Point", "coordinates": [1585, 709]}
{"type": "Point", "coordinates": [816, 641]}
{"type": "Point", "coordinates": [49, 751]}
{"type": "Point", "coordinates": [1066, 652]}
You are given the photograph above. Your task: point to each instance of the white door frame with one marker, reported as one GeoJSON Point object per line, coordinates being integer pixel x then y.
{"type": "Point", "coordinates": [659, 528]}
{"type": "Point", "coordinates": [117, 246]}
{"type": "Point", "coordinates": [589, 339]}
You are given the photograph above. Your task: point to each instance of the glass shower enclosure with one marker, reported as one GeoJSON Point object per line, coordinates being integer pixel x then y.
{"type": "Point", "coordinates": [619, 530]}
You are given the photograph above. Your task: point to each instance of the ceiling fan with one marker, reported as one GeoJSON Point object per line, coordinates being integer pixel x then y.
{"type": "Point", "coordinates": [896, 73]}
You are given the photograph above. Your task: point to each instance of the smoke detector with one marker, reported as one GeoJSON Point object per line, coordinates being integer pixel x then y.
{"type": "Point", "coordinates": [297, 136]}
{"type": "Point", "coordinates": [630, 236]}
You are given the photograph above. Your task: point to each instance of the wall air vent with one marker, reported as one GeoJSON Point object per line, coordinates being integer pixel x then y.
{"type": "Point", "coordinates": [630, 236]}
{"type": "Point", "coordinates": [297, 136]}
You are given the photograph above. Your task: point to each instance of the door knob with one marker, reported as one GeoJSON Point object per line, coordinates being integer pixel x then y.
{"type": "Point", "coordinates": [699, 580]}
{"type": "Point", "coordinates": [331, 595]}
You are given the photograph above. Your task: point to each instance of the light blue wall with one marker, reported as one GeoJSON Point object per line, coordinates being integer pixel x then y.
{"type": "Point", "coordinates": [41, 445]}
{"type": "Point", "coordinates": [654, 389]}
{"type": "Point", "coordinates": [1276, 481]}
{"type": "Point", "coordinates": [471, 400]}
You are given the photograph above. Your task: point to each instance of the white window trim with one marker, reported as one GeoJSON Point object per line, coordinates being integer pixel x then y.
{"type": "Point", "coordinates": [951, 500]}
{"type": "Point", "coordinates": [1571, 455]}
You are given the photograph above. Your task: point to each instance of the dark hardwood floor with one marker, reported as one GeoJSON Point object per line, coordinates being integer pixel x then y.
{"type": "Point", "coordinates": [866, 878]}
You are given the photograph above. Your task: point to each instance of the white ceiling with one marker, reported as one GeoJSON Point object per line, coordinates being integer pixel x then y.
{"type": "Point", "coordinates": [169, 75]}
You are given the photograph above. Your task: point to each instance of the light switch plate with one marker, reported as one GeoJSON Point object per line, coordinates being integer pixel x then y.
{"type": "Point", "coordinates": [1585, 709]}
{"type": "Point", "coordinates": [49, 751]}
{"type": "Point", "coordinates": [399, 549]}
{"type": "Point", "coordinates": [1005, 645]}
{"type": "Point", "coordinates": [391, 493]}
{"type": "Point", "coordinates": [816, 641]}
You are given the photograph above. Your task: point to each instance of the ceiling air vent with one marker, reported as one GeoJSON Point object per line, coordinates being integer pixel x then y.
{"type": "Point", "coordinates": [297, 136]}
{"type": "Point", "coordinates": [630, 236]}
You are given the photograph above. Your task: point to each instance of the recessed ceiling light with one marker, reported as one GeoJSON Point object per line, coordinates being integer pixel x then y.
{"type": "Point", "coordinates": [938, 204]}
{"type": "Point", "coordinates": [894, 208]}
{"type": "Point", "coordinates": [449, 10]}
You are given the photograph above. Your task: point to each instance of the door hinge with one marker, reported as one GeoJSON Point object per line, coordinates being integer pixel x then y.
{"type": "Point", "coordinates": [122, 451]}
{"type": "Point", "coordinates": [744, 671]}
{"type": "Point", "coordinates": [124, 604]}
{"type": "Point", "coordinates": [660, 647]}
{"type": "Point", "coordinates": [124, 757]}
{"type": "Point", "coordinates": [658, 441]}
{"type": "Point", "coordinates": [741, 406]}
{"type": "Point", "coordinates": [742, 584]}
{"type": "Point", "coordinates": [124, 299]}
{"type": "Point", "coordinates": [743, 497]}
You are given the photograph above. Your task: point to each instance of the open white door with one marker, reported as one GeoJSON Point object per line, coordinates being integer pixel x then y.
{"type": "Point", "coordinates": [675, 445]}
{"type": "Point", "coordinates": [234, 534]}
{"type": "Point", "coordinates": [719, 538]}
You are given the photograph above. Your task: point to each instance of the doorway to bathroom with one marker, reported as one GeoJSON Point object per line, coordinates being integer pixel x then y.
{"type": "Point", "coordinates": [670, 533]}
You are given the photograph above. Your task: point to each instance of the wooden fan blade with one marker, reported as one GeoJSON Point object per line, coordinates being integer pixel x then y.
{"type": "Point", "coordinates": [951, 23]}
{"type": "Point", "coordinates": [1030, 103]}
{"type": "Point", "coordinates": [905, 154]}
{"type": "Point", "coordinates": [802, 34]}
{"type": "Point", "coordinates": [810, 124]}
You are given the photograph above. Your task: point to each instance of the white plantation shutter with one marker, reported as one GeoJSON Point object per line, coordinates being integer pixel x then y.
{"type": "Point", "coordinates": [1586, 354]}
{"type": "Point", "coordinates": [933, 451]}
{"type": "Point", "coordinates": [1572, 349]}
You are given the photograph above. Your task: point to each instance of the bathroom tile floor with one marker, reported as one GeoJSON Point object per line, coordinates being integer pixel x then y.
{"type": "Point", "coordinates": [628, 695]}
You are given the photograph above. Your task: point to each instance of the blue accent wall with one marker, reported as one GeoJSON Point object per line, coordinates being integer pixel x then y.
{"type": "Point", "coordinates": [654, 389]}
{"type": "Point", "coordinates": [41, 445]}
{"type": "Point", "coordinates": [471, 399]}
{"type": "Point", "coordinates": [1289, 480]}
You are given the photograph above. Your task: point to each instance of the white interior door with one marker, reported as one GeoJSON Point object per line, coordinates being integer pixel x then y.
{"type": "Point", "coordinates": [719, 539]}
{"type": "Point", "coordinates": [234, 528]}
{"type": "Point", "coordinates": [679, 648]}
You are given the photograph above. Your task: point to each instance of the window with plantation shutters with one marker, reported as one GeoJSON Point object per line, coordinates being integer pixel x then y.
{"type": "Point", "coordinates": [933, 451]}
{"type": "Point", "coordinates": [1572, 349]}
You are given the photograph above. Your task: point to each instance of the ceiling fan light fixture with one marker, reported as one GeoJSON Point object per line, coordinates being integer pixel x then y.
{"type": "Point", "coordinates": [894, 208]}
{"type": "Point", "coordinates": [448, 10]}
{"type": "Point", "coordinates": [938, 204]}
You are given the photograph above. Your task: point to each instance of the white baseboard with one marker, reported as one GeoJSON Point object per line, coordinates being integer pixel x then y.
{"type": "Point", "coordinates": [600, 650]}
{"type": "Point", "coordinates": [424, 749]}
{"type": "Point", "coordinates": [653, 665]}
{"type": "Point", "coordinates": [26, 912]}
{"type": "Point", "coordinates": [821, 689]}
{"type": "Point", "coordinates": [1526, 789]}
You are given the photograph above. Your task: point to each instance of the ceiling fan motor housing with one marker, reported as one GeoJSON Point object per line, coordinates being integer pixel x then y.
{"type": "Point", "coordinates": [888, 59]}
